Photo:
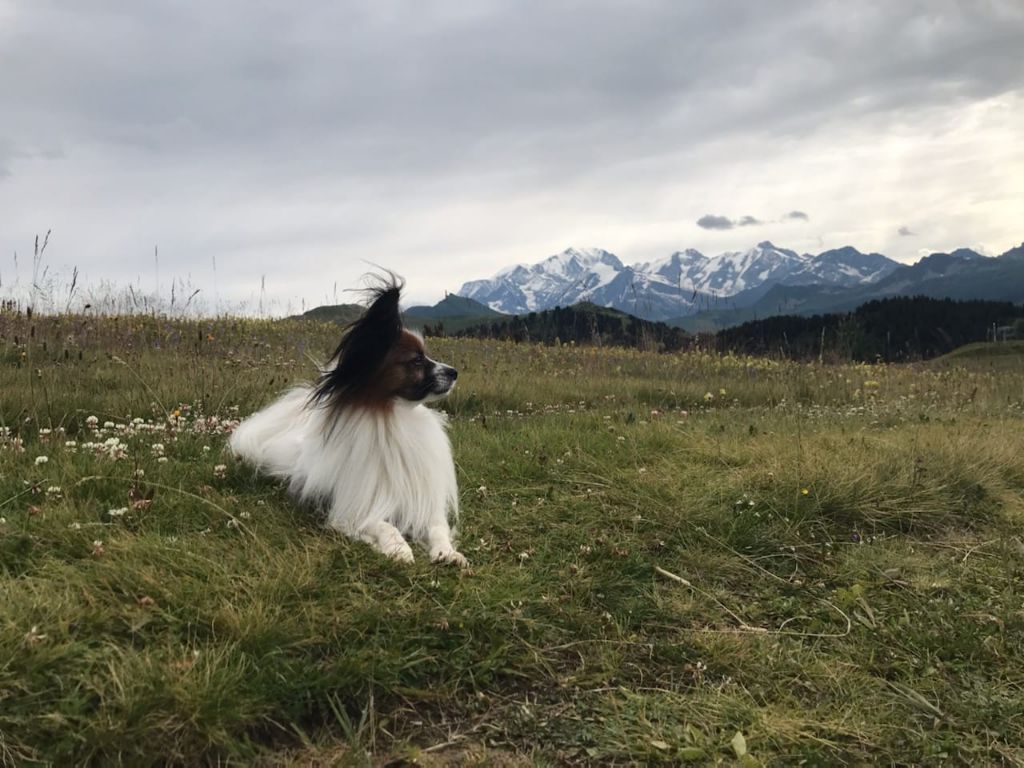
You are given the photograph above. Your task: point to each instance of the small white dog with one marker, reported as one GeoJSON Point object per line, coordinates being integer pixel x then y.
{"type": "Point", "coordinates": [360, 441]}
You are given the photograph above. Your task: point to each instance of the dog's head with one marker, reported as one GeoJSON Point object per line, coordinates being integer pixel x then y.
{"type": "Point", "coordinates": [380, 362]}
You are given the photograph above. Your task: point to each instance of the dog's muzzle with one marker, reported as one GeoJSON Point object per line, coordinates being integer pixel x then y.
{"type": "Point", "coordinates": [444, 379]}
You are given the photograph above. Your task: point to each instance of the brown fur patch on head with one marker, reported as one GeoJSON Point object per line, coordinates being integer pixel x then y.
{"type": "Point", "coordinates": [404, 370]}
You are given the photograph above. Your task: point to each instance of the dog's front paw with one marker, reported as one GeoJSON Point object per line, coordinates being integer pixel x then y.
{"type": "Point", "coordinates": [400, 552]}
{"type": "Point", "coordinates": [449, 557]}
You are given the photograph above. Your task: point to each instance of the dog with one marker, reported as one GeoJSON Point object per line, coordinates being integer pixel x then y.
{"type": "Point", "coordinates": [360, 441]}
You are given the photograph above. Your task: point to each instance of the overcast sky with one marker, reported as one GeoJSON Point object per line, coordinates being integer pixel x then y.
{"type": "Point", "coordinates": [301, 141]}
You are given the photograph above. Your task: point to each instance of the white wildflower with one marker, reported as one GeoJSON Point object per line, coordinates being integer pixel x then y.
{"type": "Point", "coordinates": [34, 636]}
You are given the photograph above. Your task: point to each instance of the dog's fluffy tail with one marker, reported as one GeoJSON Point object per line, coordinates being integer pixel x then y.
{"type": "Point", "coordinates": [272, 438]}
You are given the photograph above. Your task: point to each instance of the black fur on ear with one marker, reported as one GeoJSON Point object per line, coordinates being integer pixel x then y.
{"type": "Point", "coordinates": [364, 345]}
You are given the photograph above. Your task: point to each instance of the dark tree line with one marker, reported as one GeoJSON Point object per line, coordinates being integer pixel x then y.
{"type": "Point", "coordinates": [893, 330]}
{"type": "Point", "coordinates": [583, 324]}
{"type": "Point", "coordinates": [896, 329]}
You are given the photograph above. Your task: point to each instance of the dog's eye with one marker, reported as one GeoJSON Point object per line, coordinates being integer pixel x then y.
{"type": "Point", "coordinates": [419, 361]}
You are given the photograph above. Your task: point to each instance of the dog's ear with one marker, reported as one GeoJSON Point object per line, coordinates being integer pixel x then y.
{"type": "Point", "coordinates": [364, 346]}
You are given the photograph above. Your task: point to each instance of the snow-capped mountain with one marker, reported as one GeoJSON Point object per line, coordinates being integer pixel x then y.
{"type": "Point", "coordinates": [730, 273]}
{"type": "Point", "coordinates": [670, 287]}
{"type": "Point", "coordinates": [845, 266]}
{"type": "Point", "coordinates": [562, 279]}
{"type": "Point", "coordinates": [677, 269]}
{"type": "Point", "coordinates": [646, 295]}
{"type": "Point", "coordinates": [961, 275]}
{"type": "Point", "coordinates": [932, 266]}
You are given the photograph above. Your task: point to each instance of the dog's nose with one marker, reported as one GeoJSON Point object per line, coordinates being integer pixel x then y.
{"type": "Point", "coordinates": [453, 373]}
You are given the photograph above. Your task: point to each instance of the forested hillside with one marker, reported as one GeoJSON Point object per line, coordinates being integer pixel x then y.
{"type": "Point", "coordinates": [583, 323]}
{"type": "Point", "coordinates": [903, 328]}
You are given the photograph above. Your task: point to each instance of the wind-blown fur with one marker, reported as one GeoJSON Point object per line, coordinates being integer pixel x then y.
{"type": "Point", "coordinates": [361, 443]}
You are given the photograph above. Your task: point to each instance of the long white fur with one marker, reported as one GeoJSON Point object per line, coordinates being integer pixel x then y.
{"type": "Point", "coordinates": [379, 475]}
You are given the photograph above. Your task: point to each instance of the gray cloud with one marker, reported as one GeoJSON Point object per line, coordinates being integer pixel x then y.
{"type": "Point", "coordinates": [713, 221]}
{"type": "Point", "coordinates": [297, 142]}
{"type": "Point", "coordinates": [904, 232]}
{"type": "Point", "coordinates": [710, 221]}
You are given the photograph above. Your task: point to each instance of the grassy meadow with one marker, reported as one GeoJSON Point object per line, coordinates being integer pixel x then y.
{"type": "Point", "coordinates": [675, 558]}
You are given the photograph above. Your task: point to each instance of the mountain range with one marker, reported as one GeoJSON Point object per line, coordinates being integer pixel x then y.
{"type": "Point", "coordinates": [962, 274]}
{"type": "Point", "coordinates": [700, 293]}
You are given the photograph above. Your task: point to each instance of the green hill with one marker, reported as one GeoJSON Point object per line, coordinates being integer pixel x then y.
{"type": "Point", "coordinates": [342, 314]}
{"type": "Point", "coordinates": [450, 315]}
{"type": "Point", "coordinates": [453, 306]}
{"type": "Point", "coordinates": [1002, 355]}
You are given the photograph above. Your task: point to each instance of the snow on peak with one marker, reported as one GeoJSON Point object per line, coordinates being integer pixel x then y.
{"type": "Point", "coordinates": [574, 259]}
{"type": "Point", "coordinates": [677, 269]}
{"type": "Point", "coordinates": [510, 270]}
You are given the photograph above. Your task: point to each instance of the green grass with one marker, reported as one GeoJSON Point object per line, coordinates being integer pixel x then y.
{"type": "Point", "coordinates": [1002, 355]}
{"type": "Point", "coordinates": [849, 539]}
